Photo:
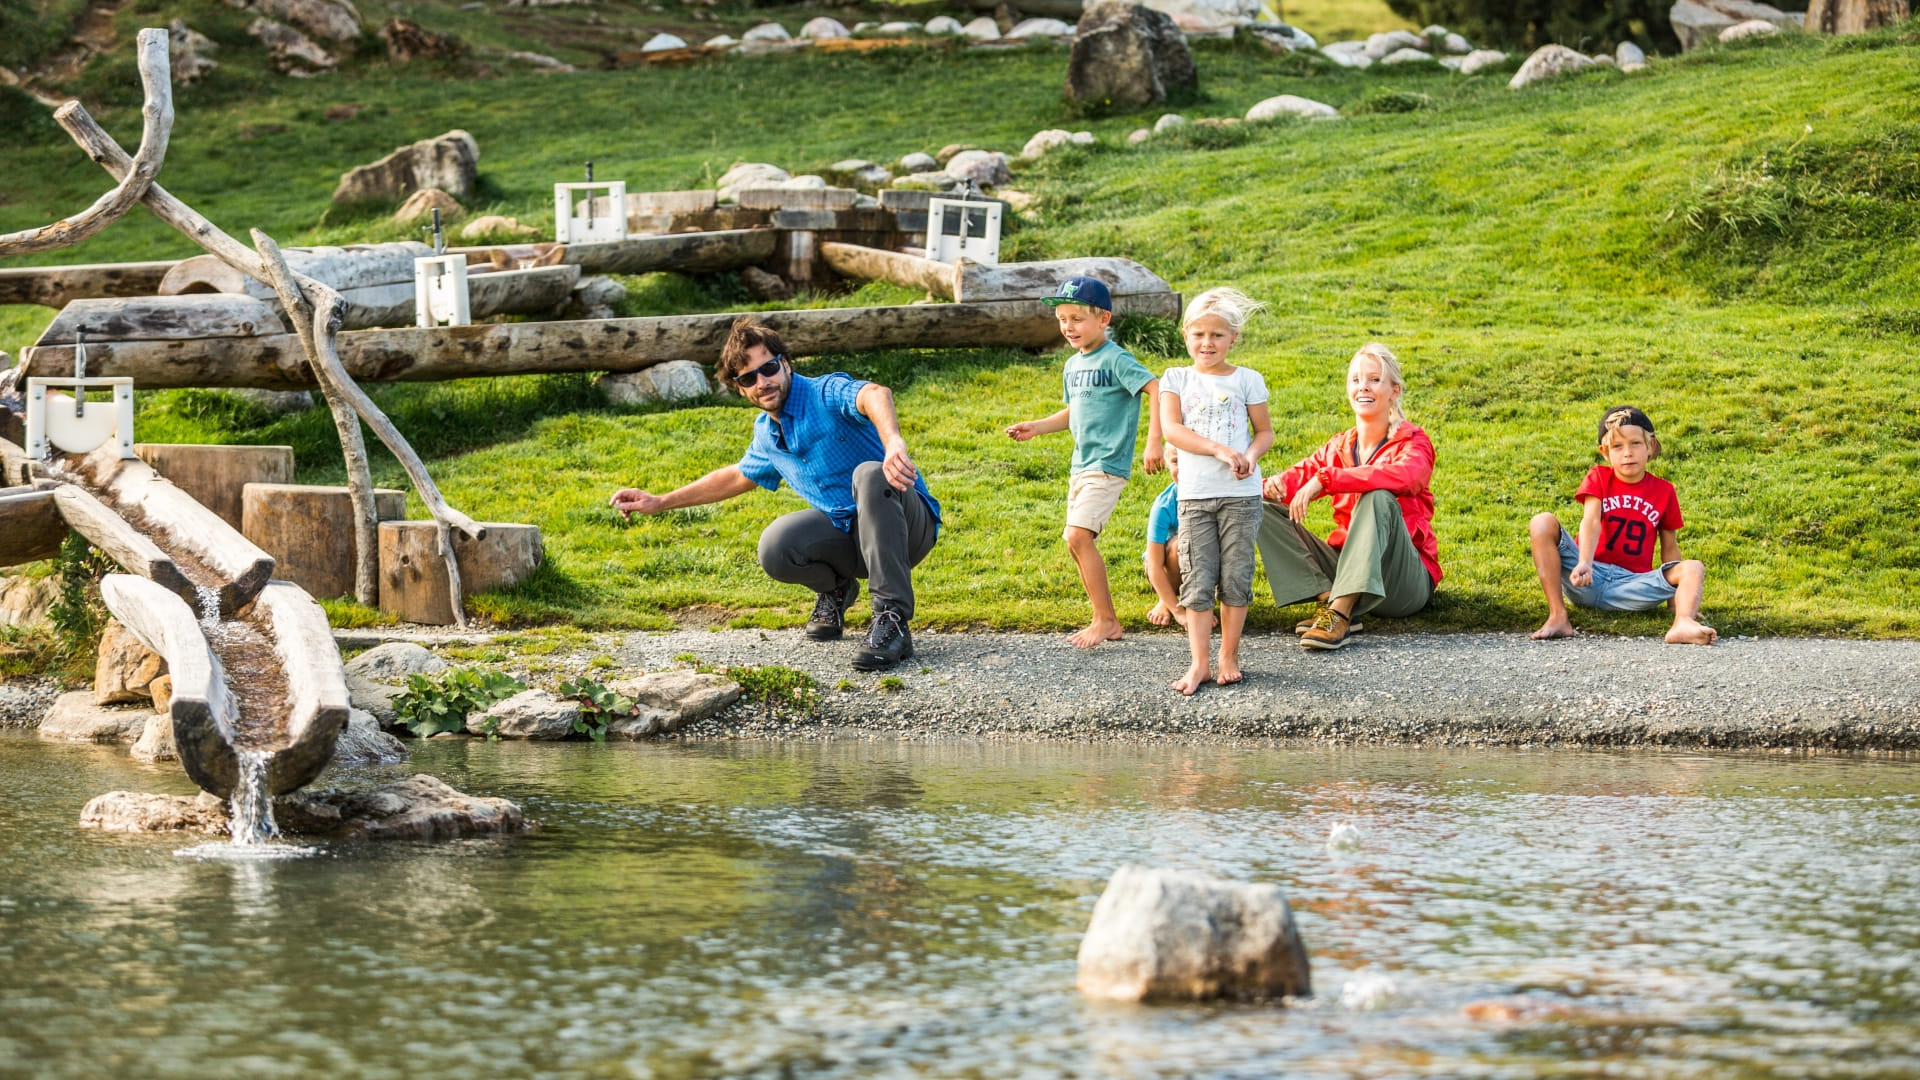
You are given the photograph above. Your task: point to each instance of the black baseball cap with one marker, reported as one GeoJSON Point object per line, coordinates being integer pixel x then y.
{"type": "Point", "coordinates": [1623, 414]}
{"type": "Point", "coordinates": [1082, 290]}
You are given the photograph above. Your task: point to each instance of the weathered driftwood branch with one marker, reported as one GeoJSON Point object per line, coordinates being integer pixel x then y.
{"type": "Point", "coordinates": [156, 125]}
{"type": "Point", "coordinates": [353, 445]}
{"type": "Point", "coordinates": [685, 253]}
{"type": "Point", "coordinates": [58, 286]}
{"type": "Point", "coordinates": [325, 363]}
{"type": "Point", "coordinates": [420, 354]}
{"type": "Point", "coordinates": [162, 318]}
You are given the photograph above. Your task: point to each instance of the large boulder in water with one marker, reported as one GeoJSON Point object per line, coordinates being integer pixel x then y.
{"type": "Point", "coordinates": [393, 661]}
{"type": "Point", "coordinates": [363, 743]}
{"type": "Point", "coordinates": [681, 693]}
{"type": "Point", "coordinates": [529, 714]}
{"type": "Point", "coordinates": [140, 811]}
{"type": "Point", "coordinates": [417, 808]}
{"type": "Point", "coordinates": [124, 670]}
{"type": "Point", "coordinates": [1173, 936]}
{"type": "Point", "coordinates": [75, 718]}
{"type": "Point", "coordinates": [1128, 56]}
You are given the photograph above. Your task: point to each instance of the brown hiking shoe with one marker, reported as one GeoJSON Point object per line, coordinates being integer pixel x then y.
{"type": "Point", "coordinates": [1330, 630]}
{"type": "Point", "coordinates": [1306, 624]}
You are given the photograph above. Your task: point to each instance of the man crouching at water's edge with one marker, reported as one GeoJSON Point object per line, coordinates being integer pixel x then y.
{"type": "Point", "coordinates": [837, 441]}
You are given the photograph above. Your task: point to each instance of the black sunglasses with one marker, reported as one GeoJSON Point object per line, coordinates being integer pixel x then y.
{"type": "Point", "coordinates": [746, 379]}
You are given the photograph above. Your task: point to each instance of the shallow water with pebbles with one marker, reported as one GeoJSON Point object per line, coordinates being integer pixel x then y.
{"type": "Point", "coordinates": [878, 908]}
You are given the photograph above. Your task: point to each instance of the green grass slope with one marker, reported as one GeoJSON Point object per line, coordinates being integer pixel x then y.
{"type": "Point", "coordinates": [1727, 240]}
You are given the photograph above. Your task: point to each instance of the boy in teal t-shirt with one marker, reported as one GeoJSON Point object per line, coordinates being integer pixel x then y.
{"type": "Point", "coordinates": [1102, 386]}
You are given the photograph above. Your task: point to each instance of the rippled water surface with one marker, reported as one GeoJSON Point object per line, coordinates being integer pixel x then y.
{"type": "Point", "coordinates": [881, 910]}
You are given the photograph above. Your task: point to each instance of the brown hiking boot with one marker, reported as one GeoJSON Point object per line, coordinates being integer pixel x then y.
{"type": "Point", "coordinates": [1330, 630]}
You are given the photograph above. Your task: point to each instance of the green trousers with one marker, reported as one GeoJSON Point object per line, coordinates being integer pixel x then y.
{"type": "Point", "coordinates": [1378, 561]}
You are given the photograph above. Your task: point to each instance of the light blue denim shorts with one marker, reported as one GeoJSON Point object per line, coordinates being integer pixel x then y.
{"type": "Point", "coordinates": [1613, 588]}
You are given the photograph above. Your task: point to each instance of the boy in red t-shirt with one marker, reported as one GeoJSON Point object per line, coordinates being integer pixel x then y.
{"type": "Point", "coordinates": [1626, 511]}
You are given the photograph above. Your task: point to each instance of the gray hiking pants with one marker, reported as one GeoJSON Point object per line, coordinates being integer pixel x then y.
{"type": "Point", "coordinates": [892, 532]}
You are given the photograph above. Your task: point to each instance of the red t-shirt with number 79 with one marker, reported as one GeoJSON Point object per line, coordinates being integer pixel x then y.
{"type": "Point", "coordinates": [1631, 516]}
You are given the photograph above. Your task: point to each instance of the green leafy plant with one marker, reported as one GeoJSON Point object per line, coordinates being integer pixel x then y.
{"type": "Point", "coordinates": [599, 707]}
{"type": "Point", "coordinates": [891, 684]}
{"type": "Point", "coordinates": [1390, 101]}
{"type": "Point", "coordinates": [78, 616]}
{"type": "Point", "coordinates": [776, 687]}
{"type": "Point", "coordinates": [432, 704]}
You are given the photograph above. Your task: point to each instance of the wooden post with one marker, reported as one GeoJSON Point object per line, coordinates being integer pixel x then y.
{"type": "Point", "coordinates": [413, 581]}
{"type": "Point", "coordinates": [58, 286]}
{"type": "Point", "coordinates": [310, 532]}
{"type": "Point", "coordinates": [31, 528]}
{"type": "Point", "coordinates": [216, 476]}
{"type": "Point", "coordinates": [1855, 16]}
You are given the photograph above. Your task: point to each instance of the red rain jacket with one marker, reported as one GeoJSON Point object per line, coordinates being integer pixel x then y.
{"type": "Point", "coordinates": [1404, 467]}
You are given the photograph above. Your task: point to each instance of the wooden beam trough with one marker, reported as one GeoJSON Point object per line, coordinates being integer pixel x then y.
{"type": "Point", "coordinates": [421, 354]}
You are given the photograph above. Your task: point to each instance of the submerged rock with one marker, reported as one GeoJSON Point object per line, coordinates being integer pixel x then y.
{"type": "Point", "coordinates": [1174, 936]}
{"type": "Point", "coordinates": [156, 741]}
{"type": "Point", "coordinates": [139, 811]}
{"type": "Point", "coordinates": [420, 807]}
{"type": "Point", "coordinates": [75, 718]}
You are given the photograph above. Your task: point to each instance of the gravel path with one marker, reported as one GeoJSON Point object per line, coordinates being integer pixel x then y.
{"type": "Point", "coordinates": [1447, 689]}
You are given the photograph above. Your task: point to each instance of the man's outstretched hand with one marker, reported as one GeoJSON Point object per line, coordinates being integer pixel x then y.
{"type": "Point", "coordinates": [631, 501]}
{"type": "Point", "coordinates": [898, 466]}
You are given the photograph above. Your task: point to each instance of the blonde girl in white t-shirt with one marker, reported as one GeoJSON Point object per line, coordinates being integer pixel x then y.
{"type": "Point", "coordinates": [1215, 416]}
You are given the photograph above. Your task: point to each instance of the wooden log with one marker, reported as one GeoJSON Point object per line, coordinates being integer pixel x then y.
{"type": "Point", "coordinates": [217, 476]}
{"type": "Point", "coordinates": [309, 532]}
{"type": "Point", "coordinates": [413, 578]}
{"type": "Point", "coordinates": [16, 468]}
{"type": "Point", "coordinates": [168, 516]}
{"type": "Point", "coordinates": [370, 302]}
{"type": "Point", "coordinates": [31, 528]}
{"type": "Point", "coordinates": [316, 685]}
{"type": "Point", "coordinates": [458, 352]}
{"type": "Point", "coordinates": [777, 198]}
{"type": "Point", "coordinates": [202, 709]}
{"type": "Point", "coordinates": [686, 253]}
{"type": "Point", "coordinates": [355, 266]}
{"type": "Point", "coordinates": [163, 318]}
{"type": "Point", "coordinates": [873, 264]}
{"type": "Point", "coordinates": [123, 544]}
{"type": "Point", "coordinates": [58, 286]}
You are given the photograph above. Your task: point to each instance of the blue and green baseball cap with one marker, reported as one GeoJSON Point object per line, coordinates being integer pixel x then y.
{"type": "Point", "coordinates": [1082, 290]}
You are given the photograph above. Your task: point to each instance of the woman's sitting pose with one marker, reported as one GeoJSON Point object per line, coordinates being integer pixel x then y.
{"type": "Point", "coordinates": [1380, 557]}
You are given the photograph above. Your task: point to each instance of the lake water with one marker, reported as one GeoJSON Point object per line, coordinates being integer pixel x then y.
{"type": "Point", "coordinates": [855, 909]}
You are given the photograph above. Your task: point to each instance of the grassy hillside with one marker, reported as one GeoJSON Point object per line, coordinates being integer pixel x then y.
{"type": "Point", "coordinates": [1727, 240]}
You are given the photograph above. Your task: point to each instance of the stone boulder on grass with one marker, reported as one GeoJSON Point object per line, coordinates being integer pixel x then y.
{"type": "Point", "coordinates": [1128, 56]}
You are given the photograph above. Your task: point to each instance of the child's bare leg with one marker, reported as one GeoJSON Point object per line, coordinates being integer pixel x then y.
{"type": "Point", "coordinates": [1232, 621]}
{"type": "Point", "coordinates": [1543, 534]}
{"type": "Point", "coordinates": [1093, 577]}
{"type": "Point", "coordinates": [1199, 644]}
{"type": "Point", "coordinates": [1163, 573]}
{"type": "Point", "coordinates": [1689, 580]}
{"type": "Point", "coordinates": [1173, 578]}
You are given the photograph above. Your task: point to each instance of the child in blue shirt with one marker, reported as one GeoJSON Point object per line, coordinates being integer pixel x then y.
{"type": "Point", "coordinates": [1162, 556]}
{"type": "Point", "coordinates": [1103, 386]}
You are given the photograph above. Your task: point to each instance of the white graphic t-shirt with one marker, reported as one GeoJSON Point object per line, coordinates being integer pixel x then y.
{"type": "Point", "coordinates": [1215, 407]}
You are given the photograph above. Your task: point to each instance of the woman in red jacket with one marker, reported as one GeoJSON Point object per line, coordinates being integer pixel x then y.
{"type": "Point", "coordinates": [1381, 557]}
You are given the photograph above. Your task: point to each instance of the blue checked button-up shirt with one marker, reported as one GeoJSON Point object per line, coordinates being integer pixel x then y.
{"type": "Point", "coordinates": [820, 439]}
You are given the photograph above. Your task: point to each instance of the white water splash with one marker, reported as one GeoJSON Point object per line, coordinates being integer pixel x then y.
{"type": "Point", "coordinates": [251, 809]}
{"type": "Point", "coordinates": [209, 605]}
{"type": "Point", "coordinates": [1368, 991]}
{"type": "Point", "coordinates": [1344, 836]}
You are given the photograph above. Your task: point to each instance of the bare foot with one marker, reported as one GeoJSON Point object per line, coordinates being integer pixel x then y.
{"type": "Point", "coordinates": [1101, 630]}
{"type": "Point", "coordinates": [1689, 632]}
{"type": "Point", "coordinates": [1180, 615]}
{"type": "Point", "coordinates": [1554, 628]}
{"type": "Point", "coordinates": [1229, 672]}
{"type": "Point", "coordinates": [1158, 615]}
{"type": "Point", "coordinates": [1194, 679]}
